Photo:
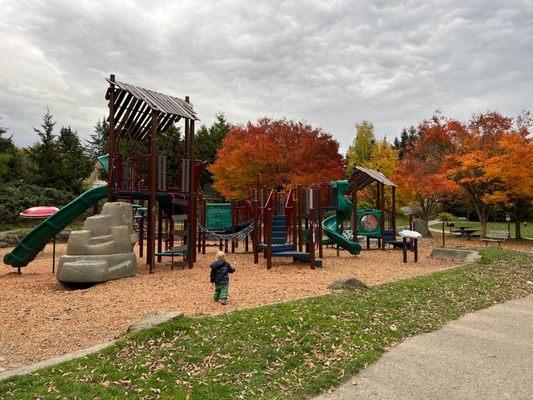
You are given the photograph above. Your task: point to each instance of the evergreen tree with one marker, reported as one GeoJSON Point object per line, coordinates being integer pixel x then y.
{"type": "Point", "coordinates": [76, 163]}
{"type": "Point", "coordinates": [208, 142]}
{"type": "Point", "coordinates": [407, 139]}
{"type": "Point", "coordinates": [7, 155]}
{"type": "Point", "coordinates": [46, 155]}
{"type": "Point", "coordinates": [97, 144]}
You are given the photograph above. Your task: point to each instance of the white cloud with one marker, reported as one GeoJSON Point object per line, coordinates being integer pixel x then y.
{"type": "Point", "coordinates": [331, 63]}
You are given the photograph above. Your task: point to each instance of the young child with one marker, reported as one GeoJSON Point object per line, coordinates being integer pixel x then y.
{"type": "Point", "coordinates": [220, 271]}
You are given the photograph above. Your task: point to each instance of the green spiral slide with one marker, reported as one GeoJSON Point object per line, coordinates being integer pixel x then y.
{"type": "Point", "coordinates": [36, 239]}
{"type": "Point", "coordinates": [332, 225]}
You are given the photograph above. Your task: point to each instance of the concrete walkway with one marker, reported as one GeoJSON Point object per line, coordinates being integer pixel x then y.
{"type": "Point", "coordinates": [484, 355]}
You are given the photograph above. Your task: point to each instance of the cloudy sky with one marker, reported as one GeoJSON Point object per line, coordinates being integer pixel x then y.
{"type": "Point", "coordinates": [331, 63]}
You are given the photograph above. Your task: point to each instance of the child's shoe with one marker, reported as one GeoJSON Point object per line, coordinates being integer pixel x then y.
{"type": "Point", "coordinates": [223, 302]}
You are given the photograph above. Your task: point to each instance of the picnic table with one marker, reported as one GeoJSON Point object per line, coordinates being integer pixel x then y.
{"type": "Point", "coordinates": [465, 231]}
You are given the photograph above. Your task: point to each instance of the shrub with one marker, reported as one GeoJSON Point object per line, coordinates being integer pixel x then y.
{"type": "Point", "coordinates": [444, 216]}
{"type": "Point", "coordinates": [16, 197]}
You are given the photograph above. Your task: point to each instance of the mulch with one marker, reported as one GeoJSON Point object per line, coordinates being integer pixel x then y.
{"type": "Point", "coordinates": [41, 318]}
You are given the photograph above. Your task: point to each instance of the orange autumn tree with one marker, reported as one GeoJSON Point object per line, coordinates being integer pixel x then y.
{"type": "Point", "coordinates": [419, 173]}
{"type": "Point", "coordinates": [480, 159]}
{"type": "Point", "coordinates": [284, 153]}
{"type": "Point", "coordinates": [511, 168]}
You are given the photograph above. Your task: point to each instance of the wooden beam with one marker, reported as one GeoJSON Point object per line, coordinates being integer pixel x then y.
{"type": "Point", "coordinates": [150, 258]}
{"type": "Point", "coordinates": [382, 210]}
{"type": "Point", "coordinates": [255, 237]}
{"type": "Point", "coordinates": [394, 211]}
{"type": "Point", "coordinates": [111, 139]}
{"type": "Point", "coordinates": [312, 234]}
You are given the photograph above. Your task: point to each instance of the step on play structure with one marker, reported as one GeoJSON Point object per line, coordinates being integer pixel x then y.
{"type": "Point", "coordinates": [172, 218]}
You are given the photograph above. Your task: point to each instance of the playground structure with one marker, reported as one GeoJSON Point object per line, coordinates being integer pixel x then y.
{"type": "Point", "coordinates": [293, 224]}
{"type": "Point", "coordinates": [174, 219]}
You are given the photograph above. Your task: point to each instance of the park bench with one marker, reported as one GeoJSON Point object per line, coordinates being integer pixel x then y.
{"type": "Point", "coordinates": [496, 236]}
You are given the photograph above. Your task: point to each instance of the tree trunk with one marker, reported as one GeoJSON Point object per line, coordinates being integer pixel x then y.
{"type": "Point", "coordinates": [517, 233]}
{"type": "Point", "coordinates": [483, 215]}
{"type": "Point", "coordinates": [483, 219]}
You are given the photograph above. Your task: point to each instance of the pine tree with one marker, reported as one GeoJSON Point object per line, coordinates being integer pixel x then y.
{"type": "Point", "coordinates": [76, 163]}
{"type": "Point", "coordinates": [208, 142]}
{"type": "Point", "coordinates": [46, 155]}
{"type": "Point", "coordinates": [7, 153]}
{"type": "Point", "coordinates": [47, 134]}
{"type": "Point", "coordinates": [97, 144]}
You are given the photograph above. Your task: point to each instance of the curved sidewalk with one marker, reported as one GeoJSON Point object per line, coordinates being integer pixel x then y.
{"type": "Point", "coordinates": [486, 355]}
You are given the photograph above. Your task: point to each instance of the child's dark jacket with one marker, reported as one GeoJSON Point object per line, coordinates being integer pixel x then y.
{"type": "Point", "coordinates": [220, 271]}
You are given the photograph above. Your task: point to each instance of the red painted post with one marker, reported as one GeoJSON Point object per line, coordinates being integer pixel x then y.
{"type": "Point", "coordinates": [159, 231]}
{"type": "Point", "coordinates": [233, 218]}
{"type": "Point", "coordinates": [255, 236]}
{"type": "Point", "coordinates": [269, 238]}
{"type": "Point", "coordinates": [141, 234]}
{"type": "Point", "coordinates": [294, 213]}
{"type": "Point", "coordinates": [382, 210]}
{"type": "Point", "coordinates": [301, 204]}
{"type": "Point", "coordinates": [150, 253]}
{"type": "Point", "coordinates": [320, 233]}
{"type": "Point", "coordinates": [312, 235]}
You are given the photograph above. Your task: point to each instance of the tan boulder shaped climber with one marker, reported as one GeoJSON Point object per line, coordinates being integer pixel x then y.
{"type": "Point", "coordinates": [103, 250]}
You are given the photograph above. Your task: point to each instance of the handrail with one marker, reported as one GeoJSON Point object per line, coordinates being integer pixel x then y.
{"type": "Point", "coordinates": [289, 207]}
{"type": "Point", "coordinates": [270, 200]}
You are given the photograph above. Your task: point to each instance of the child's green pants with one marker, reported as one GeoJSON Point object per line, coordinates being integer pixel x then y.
{"type": "Point", "coordinates": [221, 291]}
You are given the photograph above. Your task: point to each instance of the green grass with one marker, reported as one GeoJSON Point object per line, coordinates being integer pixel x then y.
{"type": "Point", "coordinates": [291, 350]}
{"type": "Point", "coordinates": [527, 231]}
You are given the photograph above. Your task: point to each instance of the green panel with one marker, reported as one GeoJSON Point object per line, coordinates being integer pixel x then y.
{"type": "Point", "coordinates": [369, 222]}
{"type": "Point", "coordinates": [218, 216]}
{"type": "Point", "coordinates": [104, 160]}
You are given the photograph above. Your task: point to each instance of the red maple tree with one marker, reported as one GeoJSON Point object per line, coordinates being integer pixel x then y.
{"type": "Point", "coordinates": [285, 153]}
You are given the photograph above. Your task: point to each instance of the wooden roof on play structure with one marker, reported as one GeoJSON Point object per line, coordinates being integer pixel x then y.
{"type": "Point", "coordinates": [362, 177]}
{"type": "Point", "coordinates": [133, 106]}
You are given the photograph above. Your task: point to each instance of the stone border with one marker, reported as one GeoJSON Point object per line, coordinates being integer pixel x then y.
{"type": "Point", "coordinates": [54, 361]}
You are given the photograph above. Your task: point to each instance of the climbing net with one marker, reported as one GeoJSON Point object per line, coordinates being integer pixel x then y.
{"type": "Point", "coordinates": [227, 236]}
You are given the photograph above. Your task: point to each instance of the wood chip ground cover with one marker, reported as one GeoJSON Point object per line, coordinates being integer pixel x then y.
{"type": "Point", "coordinates": [289, 350]}
{"type": "Point", "coordinates": [40, 319]}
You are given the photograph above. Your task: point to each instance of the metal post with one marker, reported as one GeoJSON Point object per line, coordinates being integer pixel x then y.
{"type": "Point", "coordinates": [443, 236]}
{"type": "Point", "coordinates": [54, 254]}
{"type": "Point", "coordinates": [404, 250]}
{"type": "Point", "coordinates": [415, 249]}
